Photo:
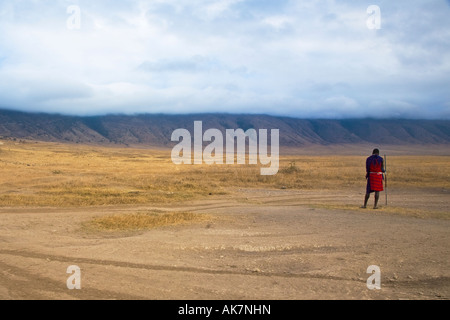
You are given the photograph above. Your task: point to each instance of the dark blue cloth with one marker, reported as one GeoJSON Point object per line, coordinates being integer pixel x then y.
{"type": "Point", "coordinates": [374, 161]}
{"type": "Point", "coordinates": [374, 158]}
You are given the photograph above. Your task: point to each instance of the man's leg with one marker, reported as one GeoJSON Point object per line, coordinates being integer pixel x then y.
{"type": "Point", "coordinates": [377, 197]}
{"type": "Point", "coordinates": [366, 199]}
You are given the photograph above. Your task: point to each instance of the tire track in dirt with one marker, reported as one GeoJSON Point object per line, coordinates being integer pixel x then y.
{"type": "Point", "coordinates": [33, 286]}
{"type": "Point", "coordinates": [123, 264]}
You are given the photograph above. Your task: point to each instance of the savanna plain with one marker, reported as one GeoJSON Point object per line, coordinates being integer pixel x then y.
{"type": "Point", "coordinates": [140, 227]}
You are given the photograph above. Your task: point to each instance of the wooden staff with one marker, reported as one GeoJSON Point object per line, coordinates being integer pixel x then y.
{"type": "Point", "coordinates": [385, 179]}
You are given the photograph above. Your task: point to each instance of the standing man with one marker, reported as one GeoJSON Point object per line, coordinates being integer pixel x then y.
{"type": "Point", "coordinates": [374, 176]}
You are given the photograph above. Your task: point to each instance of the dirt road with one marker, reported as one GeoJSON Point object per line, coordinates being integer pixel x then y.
{"type": "Point", "coordinates": [261, 244]}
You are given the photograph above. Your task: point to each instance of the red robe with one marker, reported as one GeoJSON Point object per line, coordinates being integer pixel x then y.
{"type": "Point", "coordinates": [374, 169]}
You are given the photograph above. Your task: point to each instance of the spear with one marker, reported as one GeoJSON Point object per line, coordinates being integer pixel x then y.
{"type": "Point", "coordinates": [385, 179]}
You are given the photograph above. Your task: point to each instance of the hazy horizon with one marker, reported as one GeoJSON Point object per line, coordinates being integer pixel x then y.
{"type": "Point", "coordinates": [137, 114]}
{"type": "Point", "coordinates": [319, 60]}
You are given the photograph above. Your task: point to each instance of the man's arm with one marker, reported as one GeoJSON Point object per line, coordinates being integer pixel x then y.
{"type": "Point", "coordinates": [367, 168]}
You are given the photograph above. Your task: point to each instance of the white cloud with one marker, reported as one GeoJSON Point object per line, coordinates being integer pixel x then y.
{"type": "Point", "coordinates": [311, 59]}
{"type": "Point", "coordinates": [278, 22]}
{"type": "Point", "coordinates": [216, 9]}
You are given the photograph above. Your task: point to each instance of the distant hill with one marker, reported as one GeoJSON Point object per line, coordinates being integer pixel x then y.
{"type": "Point", "coordinates": [156, 130]}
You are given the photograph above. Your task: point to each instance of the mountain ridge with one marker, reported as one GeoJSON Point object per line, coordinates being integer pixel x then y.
{"type": "Point", "coordinates": [156, 129]}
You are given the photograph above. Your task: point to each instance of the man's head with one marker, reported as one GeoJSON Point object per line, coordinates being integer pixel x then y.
{"type": "Point", "coordinates": [376, 151]}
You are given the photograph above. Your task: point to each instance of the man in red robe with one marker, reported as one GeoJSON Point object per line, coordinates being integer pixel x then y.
{"type": "Point", "coordinates": [374, 176]}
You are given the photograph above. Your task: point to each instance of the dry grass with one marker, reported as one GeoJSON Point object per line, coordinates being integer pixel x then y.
{"type": "Point", "coordinates": [143, 221]}
{"type": "Point", "coordinates": [59, 175]}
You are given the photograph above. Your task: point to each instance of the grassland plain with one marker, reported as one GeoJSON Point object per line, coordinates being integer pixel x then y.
{"type": "Point", "coordinates": [141, 227]}
{"type": "Point", "coordinates": [59, 175]}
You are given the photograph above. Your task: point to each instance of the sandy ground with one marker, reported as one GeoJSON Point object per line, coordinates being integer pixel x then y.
{"type": "Point", "coordinates": [261, 244]}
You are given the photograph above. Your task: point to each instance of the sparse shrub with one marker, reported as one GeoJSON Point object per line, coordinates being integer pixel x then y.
{"type": "Point", "coordinates": [292, 168]}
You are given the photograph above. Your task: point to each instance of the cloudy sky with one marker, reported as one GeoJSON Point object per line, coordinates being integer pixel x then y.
{"type": "Point", "coordinates": [309, 59]}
